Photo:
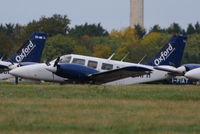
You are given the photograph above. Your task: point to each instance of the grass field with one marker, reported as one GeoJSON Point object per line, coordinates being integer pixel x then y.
{"type": "Point", "coordinates": [86, 109]}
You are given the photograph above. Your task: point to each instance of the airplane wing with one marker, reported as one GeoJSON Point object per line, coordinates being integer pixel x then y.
{"type": "Point", "coordinates": [116, 74]}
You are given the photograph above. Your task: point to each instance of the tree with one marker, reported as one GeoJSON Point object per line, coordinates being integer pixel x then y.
{"type": "Point", "coordinates": [152, 43]}
{"type": "Point", "coordinates": [140, 32]}
{"type": "Point", "coordinates": [2, 28]}
{"type": "Point", "coordinates": [197, 27]}
{"type": "Point", "coordinates": [192, 50]}
{"type": "Point", "coordinates": [57, 24]}
{"type": "Point", "coordinates": [8, 29]}
{"type": "Point", "coordinates": [190, 29]}
{"type": "Point", "coordinates": [125, 40]}
{"type": "Point", "coordinates": [87, 29]}
{"type": "Point", "coordinates": [156, 28]}
{"type": "Point", "coordinates": [7, 46]}
{"type": "Point", "coordinates": [58, 45]}
{"type": "Point", "coordinates": [128, 34]}
{"type": "Point", "coordinates": [101, 51]}
{"type": "Point", "coordinates": [175, 29]}
{"type": "Point", "coordinates": [81, 49]}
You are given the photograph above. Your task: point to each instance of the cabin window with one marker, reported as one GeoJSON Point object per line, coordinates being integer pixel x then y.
{"type": "Point", "coordinates": [65, 59]}
{"type": "Point", "coordinates": [78, 61]}
{"type": "Point", "coordinates": [92, 64]}
{"type": "Point", "coordinates": [106, 66]}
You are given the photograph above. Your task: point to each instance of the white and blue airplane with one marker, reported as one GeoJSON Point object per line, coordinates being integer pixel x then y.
{"type": "Point", "coordinates": [29, 53]}
{"type": "Point", "coordinates": [85, 69]}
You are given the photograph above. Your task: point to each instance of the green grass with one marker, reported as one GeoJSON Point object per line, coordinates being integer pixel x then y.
{"type": "Point", "coordinates": [84, 109]}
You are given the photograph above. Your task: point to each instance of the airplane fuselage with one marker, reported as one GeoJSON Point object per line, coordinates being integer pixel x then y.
{"type": "Point", "coordinates": [39, 72]}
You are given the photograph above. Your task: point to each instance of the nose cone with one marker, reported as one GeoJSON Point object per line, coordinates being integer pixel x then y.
{"type": "Point", "coordinates": [51, 69]}
{"type": "Point", "coordinates": [193, 74]}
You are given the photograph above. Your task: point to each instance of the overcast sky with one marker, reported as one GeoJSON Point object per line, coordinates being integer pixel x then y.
{"type": "Point", "coordinates": [112, 14]}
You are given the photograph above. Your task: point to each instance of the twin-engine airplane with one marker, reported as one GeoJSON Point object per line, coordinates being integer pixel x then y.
{"type": "Point", "coordinates": [29, 53]}
{"type": "Point", "coordinates": [85, 69]}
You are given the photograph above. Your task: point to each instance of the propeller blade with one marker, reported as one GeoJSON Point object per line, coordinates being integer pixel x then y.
{"type": "Point", "coordinates": [56, 62]}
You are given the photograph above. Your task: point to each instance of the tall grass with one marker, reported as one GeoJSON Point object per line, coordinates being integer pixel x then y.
{"type": "Point", "coordinates": [56, 109]}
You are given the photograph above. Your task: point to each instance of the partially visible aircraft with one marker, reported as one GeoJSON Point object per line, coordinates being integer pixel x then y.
{"type": "Point", "coordinates": [85, 69]}
{"type": "Point", "coordinates": [194, 73]}
{"type": "Point", "coordinates": [29, 53]}
{"type": "Point", "coordinates": [190, 71]}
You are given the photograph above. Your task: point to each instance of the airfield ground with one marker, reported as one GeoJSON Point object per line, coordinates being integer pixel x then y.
{"type": "Point", "coordinates": [85, 109]}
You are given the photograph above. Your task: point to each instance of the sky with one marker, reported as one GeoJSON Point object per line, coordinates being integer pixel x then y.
{"type": "Point", "coordinates": [112, 14]}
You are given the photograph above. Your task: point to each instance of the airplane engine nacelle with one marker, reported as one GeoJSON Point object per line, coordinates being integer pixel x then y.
{"type": "Point", "coordinates": [74, 71]}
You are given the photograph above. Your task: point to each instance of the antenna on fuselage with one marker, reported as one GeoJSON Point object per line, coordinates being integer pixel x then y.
{"type": "Point", "coordinates": [142, 59]}
{"type": "Point", "coordinates": [111, 56]}
{"type": "Point", "coordinates": [125, 57]}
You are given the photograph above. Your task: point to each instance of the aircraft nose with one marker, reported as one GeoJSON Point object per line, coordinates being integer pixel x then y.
{"type": "Point", "coordinates": [51, 69]}
{"type": "Point", "coordinates": [193, 74]}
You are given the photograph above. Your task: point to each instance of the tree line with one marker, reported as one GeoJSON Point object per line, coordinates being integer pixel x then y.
{"type": "Point", "coordinates": [94, 40]}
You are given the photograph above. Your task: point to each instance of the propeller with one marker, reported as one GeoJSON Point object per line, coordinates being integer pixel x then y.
{"type": "Point", "coordinates": [53, 68]}
{"type": "Point", "coordinates": [56, 62]}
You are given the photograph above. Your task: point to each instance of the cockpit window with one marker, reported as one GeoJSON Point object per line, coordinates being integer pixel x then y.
{"type": "Point", "coordinates": [78, 61]}
{"type": "Point", "coordinates": [106, 66]}
{"type": "Point", "coordinates": [92, 64]}
{"type": "Point", "coordinates": [65, 59]}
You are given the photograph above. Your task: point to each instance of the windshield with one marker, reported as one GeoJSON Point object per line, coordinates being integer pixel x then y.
{"type": "Point", "coordinates": [65, 59]}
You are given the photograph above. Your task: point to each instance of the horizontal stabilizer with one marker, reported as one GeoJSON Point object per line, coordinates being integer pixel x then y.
{"type": "Point", "coordinates": [171, 69]}
{"type": "Point", "coordinates": [3, 68]}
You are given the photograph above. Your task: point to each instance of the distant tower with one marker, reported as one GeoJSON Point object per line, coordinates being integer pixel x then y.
{"type": "Point", "coordinates": [137, 13]}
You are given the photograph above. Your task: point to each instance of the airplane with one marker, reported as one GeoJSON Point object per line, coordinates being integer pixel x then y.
{"type": "Point", "coordinates": [194, 72]}
{"type": "Point", "coordinates": [85, 69]}
{"type": "Point", "coordinates": [29, 53]}
{"type": "Point", "coordinates": [190, 71]}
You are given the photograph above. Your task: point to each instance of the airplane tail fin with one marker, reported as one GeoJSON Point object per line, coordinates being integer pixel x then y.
{"type": "Point", "coordinates": [171, 53]}
{"type": "Point", "coordinates": [32, 49]}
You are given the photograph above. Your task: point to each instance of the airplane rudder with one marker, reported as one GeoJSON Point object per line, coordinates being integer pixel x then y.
{"type": "Point", "coordinates": [171, 53]}
{"type": "Point", "coordinates": [38, 35]}
{"type": "Point", "coordinates": [176, 49]}
{"type": "Point", "coordinates": [32, 49]}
